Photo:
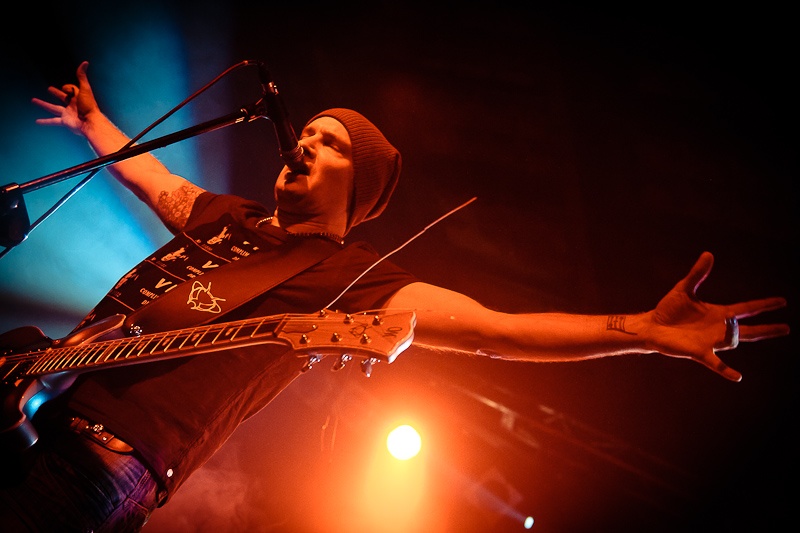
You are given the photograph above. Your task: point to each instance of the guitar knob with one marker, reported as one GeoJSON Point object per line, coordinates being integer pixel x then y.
{"type": "Point", "coordinates": [366, 366]}
{"type": "Point", "coordinates": [340, 362]}
{"type": "Point", "coordinates": [310, 362]}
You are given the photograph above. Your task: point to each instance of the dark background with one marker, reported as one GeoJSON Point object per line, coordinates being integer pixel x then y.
{"type": "Point", "coordinates": [606, 148]}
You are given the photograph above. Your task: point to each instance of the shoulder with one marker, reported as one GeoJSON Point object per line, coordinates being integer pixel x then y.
{"type": "Point", "coordinates": [174, 206]}
{"type": "Point", "coordinates": [210, 206]}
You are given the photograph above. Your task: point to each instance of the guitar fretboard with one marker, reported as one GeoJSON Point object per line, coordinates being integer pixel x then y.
{"type": "Point", "coordinates": [154, 346]}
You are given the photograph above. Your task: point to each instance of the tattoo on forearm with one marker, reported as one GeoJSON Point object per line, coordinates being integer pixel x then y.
{"type": "Point", "coordinates": [175, 207]}
{"type": "Point", "coordinates": [617, 323]}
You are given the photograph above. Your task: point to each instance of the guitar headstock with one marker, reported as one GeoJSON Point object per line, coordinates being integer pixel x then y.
{"type": "Point", "coordinates": [372, 337]}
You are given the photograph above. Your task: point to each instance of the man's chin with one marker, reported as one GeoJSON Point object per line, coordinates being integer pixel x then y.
{"type": "Point", "coordinates": [289, 201]}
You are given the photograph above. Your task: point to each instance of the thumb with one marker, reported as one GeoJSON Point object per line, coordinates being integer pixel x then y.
{"type": "Point", "coordinates": [81, 72]}
{"type": "Point", "coordinates": [715, 363]}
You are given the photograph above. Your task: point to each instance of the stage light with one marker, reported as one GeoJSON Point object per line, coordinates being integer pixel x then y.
{"type": "Point", "coordinates": [404, 442]}
{"type": "Point", "coordinates": [529, 522]}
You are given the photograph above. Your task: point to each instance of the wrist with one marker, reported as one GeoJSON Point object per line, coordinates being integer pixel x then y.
{"type": "Point", "coordinates": [93, 123]}
{"type": "Point", "coordinates": [633, 329]}
{"type": "Point", "coordinates": [642, 324]}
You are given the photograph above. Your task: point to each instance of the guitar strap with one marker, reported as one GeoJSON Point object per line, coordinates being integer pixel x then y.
{"type": "Point", "coordinates": [206, 298]}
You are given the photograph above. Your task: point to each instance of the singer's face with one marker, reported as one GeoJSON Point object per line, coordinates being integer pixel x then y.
{"type": "Point", "coordinates": [328, 187]}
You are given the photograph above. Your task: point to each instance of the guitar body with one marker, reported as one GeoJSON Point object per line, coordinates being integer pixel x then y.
{"type": "Point", "coordinates": [22, 396]}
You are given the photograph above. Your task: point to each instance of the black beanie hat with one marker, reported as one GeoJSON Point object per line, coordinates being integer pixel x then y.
{"type": "Point", "coordinates": [376, 165]}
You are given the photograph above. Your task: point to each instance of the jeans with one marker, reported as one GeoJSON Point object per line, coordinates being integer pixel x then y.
{"type": "Point", "coordinates": [75, 484]}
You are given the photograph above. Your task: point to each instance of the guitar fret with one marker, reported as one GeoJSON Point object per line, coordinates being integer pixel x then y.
{"type": "Point", "coordinates": [231, 332]}
{"type": "Point", "coordinates": [239, 330]}
{"type": "Point", "coordinates": [169, 344]}
{"type": "Point", "coordinates": [168, 347]}
{"type": "Point", "coordinates": [187, 336]}
{"type": "Point", "coordinates": [141, 346]}
{"type": "Point", "coordinates": [130, 346]}
{"type": "Point", "coordinates": [145, 349]}
{"type": "Point", "coordinates": [157, 347]}
{"type": "Point", "coordinates": [117, 351]}
{"type": "Point", "coordinates": [75, 353]}
{"type": "Point", "coordinates": [67, 354]}
{"type": "Point", "coordinates": [92, 356]}
{"type": "Point", "coordinates": [12, 370]}
{"type": "Point", "coordinates": [200, 339]}
{"type": "Point", "coordinates": [56, 360]}
{"type": "Point", "coordinates": [181, 338]}
{"type": "Point", "coordinates": [252, 327]}
{"type": "Point", "coordinates": [221, 331]}
{"type": "Point", "coordinates": [81, 361]}
{"type": "Point", "coordinates": [47, 362]}
{"type": "Point", "coordinates": [269, 332]}
{"type": "Point", "coordinates": [113, 353]}
{"type": "Point", "coordinates": [59, 360]}
{"type": "Point", "coordinates": [34, 366]}
{"type": "Point", "coordinates": [190, 338]}
{"type": "Point", "coordinates": [160, 338]}
{"type": "Point", "coordinates": [271, 329]}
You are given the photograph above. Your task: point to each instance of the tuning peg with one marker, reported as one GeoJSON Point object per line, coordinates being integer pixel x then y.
{"type": "Point", "coordinates": [366, 366]}
{"type": "Point", "coordinates": [310, 362]}
{"type": "Point", "coordinates": [340, 362]}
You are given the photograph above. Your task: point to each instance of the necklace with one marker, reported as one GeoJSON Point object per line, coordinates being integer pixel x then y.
{"type": "Point", "coordinates": [324, 234]}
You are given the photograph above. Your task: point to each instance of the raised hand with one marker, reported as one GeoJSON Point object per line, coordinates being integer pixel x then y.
{"type": "Point", "coordinates": [77, 104]}
{"type": "Point", "coordinates": [683, 326]}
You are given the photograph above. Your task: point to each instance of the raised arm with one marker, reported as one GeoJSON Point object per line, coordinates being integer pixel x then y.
{"type": "Point", "coordinates": [170, 196]}
{"type": "Point", "coordinates": [680, 326]}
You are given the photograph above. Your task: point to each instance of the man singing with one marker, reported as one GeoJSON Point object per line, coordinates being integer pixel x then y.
{"type": "Point", "coordinates": [163, 420]}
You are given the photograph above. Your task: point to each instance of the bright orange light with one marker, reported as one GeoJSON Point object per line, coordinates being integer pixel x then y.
{"type": "Point", "coordinates": [404, 442]}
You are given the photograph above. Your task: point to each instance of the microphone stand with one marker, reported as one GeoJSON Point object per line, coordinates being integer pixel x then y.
{"type": "Point", "coordinates": [14, 223]}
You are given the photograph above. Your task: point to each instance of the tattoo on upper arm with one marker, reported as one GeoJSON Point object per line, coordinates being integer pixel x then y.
{"type": "Point", "coordinates": [617, 323]}
{"type": "Point", "coordinates": [174, 207]}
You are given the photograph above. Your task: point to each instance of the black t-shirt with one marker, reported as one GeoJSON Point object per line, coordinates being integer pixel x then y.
{"type": "Point", "coordinates": [177, 413]}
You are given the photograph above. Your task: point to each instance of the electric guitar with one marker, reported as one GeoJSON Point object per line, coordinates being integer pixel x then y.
{"type": "Point", "coordinates": [46, 368]}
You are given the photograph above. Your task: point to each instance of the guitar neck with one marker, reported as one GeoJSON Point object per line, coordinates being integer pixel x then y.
{"type": "Point", "coordinates": [156, 346]}
{"type": "Point", "coordinates": [374, 336]}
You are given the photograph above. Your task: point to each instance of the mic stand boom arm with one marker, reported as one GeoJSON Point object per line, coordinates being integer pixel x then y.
{"type": "Point", "coordinates": [14, 223]}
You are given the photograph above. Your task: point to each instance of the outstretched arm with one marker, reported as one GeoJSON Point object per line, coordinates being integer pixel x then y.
{"type": "Point", "coordinates": [680, 326]}
{"type": "Point", "coordinates": [170, 196]}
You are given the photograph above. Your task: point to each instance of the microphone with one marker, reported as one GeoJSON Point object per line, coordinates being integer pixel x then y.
{"type": "Point", "coordinates": [291, 152]}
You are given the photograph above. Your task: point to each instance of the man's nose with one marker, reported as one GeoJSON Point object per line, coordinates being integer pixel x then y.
{"type": "Point", "coordinates": [309, 145]}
